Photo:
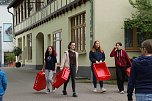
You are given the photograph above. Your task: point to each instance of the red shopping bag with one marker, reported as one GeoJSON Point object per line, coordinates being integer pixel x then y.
{"type": "Point", "coordinates": [101, 71]}
{"type": "Point", "coordinates": [128, 71]}
{"type": "Point", "coordinates": [61, 77]}
{"type": "Point", "coordinates": [40, 81]}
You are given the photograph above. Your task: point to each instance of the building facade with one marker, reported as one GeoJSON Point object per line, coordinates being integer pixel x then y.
{"type": "Point", "coordinates": [40, 23]}
{"type": "Point", "coordinates": [6, 37]}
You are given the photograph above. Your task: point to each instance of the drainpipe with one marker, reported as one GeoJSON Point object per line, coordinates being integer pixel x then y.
{"type": "Point", "coordinates": [91, 31]}
{"type": "Point", "coordinates": [91, 24]}
{"type": "Point", "coordinates": [13, 32]}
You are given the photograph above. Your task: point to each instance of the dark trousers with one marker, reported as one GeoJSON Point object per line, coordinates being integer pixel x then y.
{"type": "Point", "coordinates": [1, 98]}
{"type": "Point", "coordinates": [72, 75]}
{"type": "Point", "coordinates": [95, 80]}
{"type": "Point", "coordinates": [120, 73]}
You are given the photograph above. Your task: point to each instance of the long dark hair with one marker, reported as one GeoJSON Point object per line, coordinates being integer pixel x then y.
{"type": "Point", "coordinates": [94, 47]}
{"type": "Point", "coordinates": [70, 44]}
{"type": "Point", "coordinates": [47, 52]}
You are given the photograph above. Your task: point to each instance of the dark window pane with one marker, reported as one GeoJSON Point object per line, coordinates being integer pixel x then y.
{"type": "Point", "coordinates": [128, 38]}
{"type": "Point", "coordinates": [5, 2]}
{"type": "Point", "coordinates": [140, 38]}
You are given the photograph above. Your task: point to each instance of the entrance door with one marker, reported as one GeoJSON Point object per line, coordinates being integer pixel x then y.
{"type": "Point", "coordinates": [39, 50]}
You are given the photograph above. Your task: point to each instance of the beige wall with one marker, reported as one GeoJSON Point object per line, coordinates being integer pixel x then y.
{"type": "Point", "coordinates": [109, 18]}
{"type": "Point", "coordinates": [60, 23]}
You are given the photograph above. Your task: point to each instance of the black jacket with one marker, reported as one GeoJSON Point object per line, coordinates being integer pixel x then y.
{"type": "Point", "coordinates": [96, 56]}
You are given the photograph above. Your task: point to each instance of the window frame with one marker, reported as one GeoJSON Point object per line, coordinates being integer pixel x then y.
{"type": "Point", "coordinates": [76, 26]}
{"type": "Point", "coordinates": [29, 41]}
{"type": "Point", "coordinates": [135, 46]}
{"type": "Point", "coordinates": [38, 5]}
{"type": "Point", "coordinates": [56, 40]}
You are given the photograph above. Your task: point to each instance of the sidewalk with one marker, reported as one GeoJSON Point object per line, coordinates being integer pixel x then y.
{"type": "Point", "coordinates": [20, 88]}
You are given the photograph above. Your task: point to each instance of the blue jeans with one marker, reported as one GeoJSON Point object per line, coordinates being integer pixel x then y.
{"type": "Point", "coordinates": [1, 98]}
{"type": "Point", "coordinates": [143, 97]}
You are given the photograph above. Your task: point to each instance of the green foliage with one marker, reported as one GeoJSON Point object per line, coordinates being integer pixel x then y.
{"type": "Point", "coordinates": [9, 57]}
{"type": "Point", "coordinates": [17, 51]}
{"type": "Point", "coordinates": [142, 18]}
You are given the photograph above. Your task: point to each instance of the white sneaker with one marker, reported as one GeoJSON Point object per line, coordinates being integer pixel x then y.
{"type": "Point", "coordinates": [47, 91]}
{"type": "Point", "coordinates": [53, 90]}
{"type": "Point", "coordinates": [95, 90]}
{"type": "Point", "coordinates": [122, 92]}
{"type": "Point", "coordinates": [103, 90]}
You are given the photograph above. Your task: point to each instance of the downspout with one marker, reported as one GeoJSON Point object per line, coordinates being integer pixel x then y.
{"type": "Point", "coordinates": [13, 22]}
{"type": "Point", "coordinates": [91, 31]}
{"type": "Point", "coordinates": [91, 24]}
{"type": "Point", "coordinates": [13, 32]}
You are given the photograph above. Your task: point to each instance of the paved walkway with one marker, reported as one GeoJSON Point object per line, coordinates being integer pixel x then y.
{"type": "Point", "coordinates": [20, 88]}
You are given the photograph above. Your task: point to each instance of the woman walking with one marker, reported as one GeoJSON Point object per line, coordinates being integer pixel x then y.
{"type": "Point", "coordinates": [70, 60]}
{"type": "Point", "coordinates": [50, 66]}
{"type": "Point", "coordinates": [96, 55]}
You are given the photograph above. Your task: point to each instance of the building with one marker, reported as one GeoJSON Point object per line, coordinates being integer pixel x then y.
{"type": "Point", "coordinates": [6, 36]}
{"type": "Point", "coordinates": [39, 23]}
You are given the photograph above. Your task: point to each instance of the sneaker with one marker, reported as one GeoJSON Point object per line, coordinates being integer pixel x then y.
{"type": "Point", "coordinates": [122, 92]}
{"type": "Point", "coordinates": [48, 91]}
{"type": "Point", "coordinates": [95, 90]}
{"type": "Point", "coordinates": [103, 90]}
{"type": "Point", "coordinates": [75, 95]}
{"type": "Point", "coordinates": [64, 92]}
{"type": "Point", "coordinates": [53, 89]}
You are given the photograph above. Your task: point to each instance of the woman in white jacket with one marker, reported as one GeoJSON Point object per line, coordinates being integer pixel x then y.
{"type": "Point", "coordinates": [70, 60]}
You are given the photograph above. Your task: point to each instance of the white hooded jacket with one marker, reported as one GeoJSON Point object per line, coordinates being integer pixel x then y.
{"type": "Point", "coordinates": [65, 60]}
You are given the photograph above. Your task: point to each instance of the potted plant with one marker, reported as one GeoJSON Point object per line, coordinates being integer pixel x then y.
{"type": "Point", "coordinates": [17, 51]}
{"type": "Point", "coordinates": [10, 59]}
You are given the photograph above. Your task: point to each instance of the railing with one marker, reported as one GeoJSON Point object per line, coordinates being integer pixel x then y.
{"type": "Point", "coordinates": [45, 11]}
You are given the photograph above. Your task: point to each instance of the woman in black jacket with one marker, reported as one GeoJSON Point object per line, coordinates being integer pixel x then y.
{"type": "Point", "coordinates": [50, 66]}
{"type": "Point", "coordinates": [96, 55]}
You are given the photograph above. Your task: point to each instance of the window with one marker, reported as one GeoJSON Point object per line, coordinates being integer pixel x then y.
{"type": "Point", "coordinates": [20, 46]}
{"type": "Point", "coordinates": [29, 46]}
{"type": "Point", "coordinates": [18, 15]}
{"type": "Point", "coordinates": [57, 45]}
{"type": "Point", "coordinates": [5, 2]}
{"type": "Point", "coordinates": [25, 9]}
{"type": "Point", "coordinates": [133, 39]}
{"type": "Point", "coordinates": [78, 30]}
{"type": "Point", "coordinates": [38, 5]}
{"type": "Point", "coordinates": [29, 8]}
{"type": "Point", "coordinates": [21, 12]}
{"type": "Point", "coordinates": [49, 1]}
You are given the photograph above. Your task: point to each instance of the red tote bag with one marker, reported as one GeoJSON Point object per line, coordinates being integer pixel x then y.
{"type": "Point", "coordinates": [128, 71]}
{"type": "Point", "coordinates": [40, 81]}
{"type": "Point", "coordinates": [101, 71]}
{"type": "Point", "coordinates": [61, 77]}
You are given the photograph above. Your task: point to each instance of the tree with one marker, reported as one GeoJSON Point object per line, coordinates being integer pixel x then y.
{"type": "Point", "coordinates": [17, 51]}
{"type": "Point", "coordinates": [142, 18]}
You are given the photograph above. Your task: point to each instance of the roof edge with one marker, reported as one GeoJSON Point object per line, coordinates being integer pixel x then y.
{"type": "Point", "coordinates": [12, 3]}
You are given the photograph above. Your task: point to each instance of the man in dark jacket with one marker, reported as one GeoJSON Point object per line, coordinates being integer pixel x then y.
{"type": "Point", "coordinates": [122, 61]}
{"type": "Point", "coordinates": [141, 74]}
